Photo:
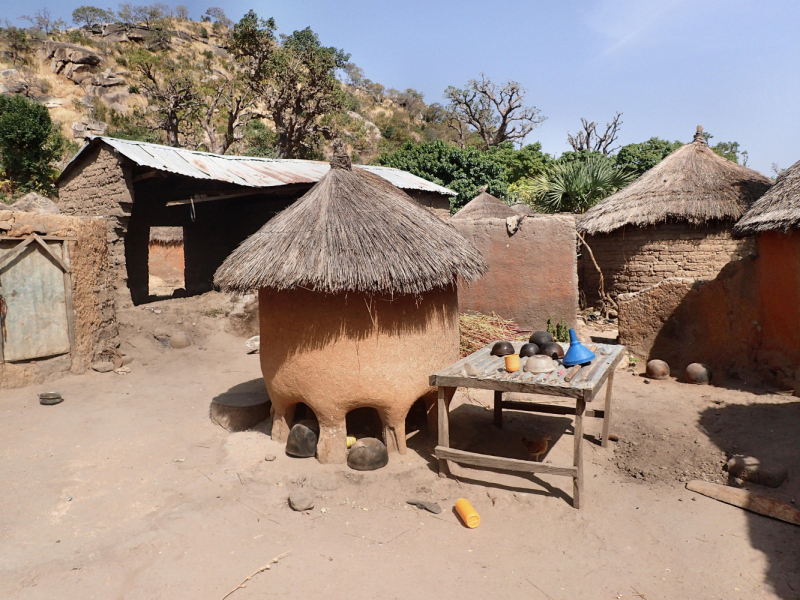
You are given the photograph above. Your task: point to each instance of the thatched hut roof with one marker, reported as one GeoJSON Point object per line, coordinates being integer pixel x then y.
{"type": "Point", "coordinates": [693, 184]}
{"type": "Point", "coordinates": [484, 206]}
{"type": "Point", "coordinates": [166, 235]}
{"type": "Point", "coordinates": [35, 203]}
{"type": "Point", "coordinates": [352, 231]}
{"type": "Point", "coordinates": [778, 209]}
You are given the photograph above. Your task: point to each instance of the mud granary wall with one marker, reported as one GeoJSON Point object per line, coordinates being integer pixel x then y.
{"type": "Point", "coordinates": [636, 258]}
{"type": "Point", "coordinates": [532, 273]}
{"type": "Point", "coordinates": [93, 298]}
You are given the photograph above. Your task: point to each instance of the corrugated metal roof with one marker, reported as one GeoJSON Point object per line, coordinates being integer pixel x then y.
{"type": "Point", "coordinates": [246, 171]}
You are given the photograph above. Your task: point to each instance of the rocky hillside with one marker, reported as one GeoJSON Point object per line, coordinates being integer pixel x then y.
{"type": "Point", "coordinates": [82, 78]}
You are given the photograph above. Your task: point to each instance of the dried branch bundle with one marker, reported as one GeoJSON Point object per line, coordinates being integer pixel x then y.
{"type": "Point", "coordinates": [478, 330]}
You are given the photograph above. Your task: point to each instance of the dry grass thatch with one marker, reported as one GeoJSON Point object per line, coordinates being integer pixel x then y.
{"type": "Point", "coordinates": [778, 209]}
{"type": "Point", "coordinates": [478, 330]}
{"type": "Point", "coordinates": [352, 231]}
{"type": "Point", "coordinates": [35, 203]}
{"type": "Point", "coordinates": [693, 184]}
{"type": "Point", "coordinates": [166, 235]}
{"type": "Point", "coordinates": [484, 206]}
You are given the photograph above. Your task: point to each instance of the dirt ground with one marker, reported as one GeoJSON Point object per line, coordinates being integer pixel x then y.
{"type": "Point", "coordinates": [128, 490]}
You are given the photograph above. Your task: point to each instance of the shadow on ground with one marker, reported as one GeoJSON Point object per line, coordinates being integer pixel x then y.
{"type": "Point", "coordinates": [770, 433]}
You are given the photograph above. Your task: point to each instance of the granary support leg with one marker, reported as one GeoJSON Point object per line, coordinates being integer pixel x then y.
{"type": "Point", "coordinates": [282, 422]}
{"type": "Point", "coordinates": [332, 444]}
{"type": "Point", "coordinates": [394, 432]}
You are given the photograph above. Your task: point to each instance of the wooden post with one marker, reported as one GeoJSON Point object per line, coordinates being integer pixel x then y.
{"type": "Point", "coordinates": [577, 461]}
{"type": "Point", "coordinates": [498, 409]}
{"type": "Point", "coordinates": [607, 415]}
{"type": "Point", "coordinates": [68, 297]}
{"type": "Point", "coordinates": [445, 394]}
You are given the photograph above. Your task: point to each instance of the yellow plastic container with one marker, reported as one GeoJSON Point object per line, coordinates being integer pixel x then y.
{"type": "Point", "coordinates": [512, 362]}
{"type": "Point", "coordinates": [467, 513]}
{"type": "Point", "coordinates": [350, 441]}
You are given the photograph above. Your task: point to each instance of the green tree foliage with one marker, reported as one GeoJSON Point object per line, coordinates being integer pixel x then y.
{"type": "Point", "coordinates": [17, 42]}
{"type": "Point", "coordinates": [259, 141]}
{"type": "Point", "coordinates": [641, 157]}
{"type": "Point", "coordinates": [463, 170]}
{"type": "Point", "coordinates": [528, 161]}
{"type": "Point", "coordinates": [29, 144]}
{"type": "Point", "coordinates": [573, 185]}
{"type": "Point", "coordinates": [294, 78]}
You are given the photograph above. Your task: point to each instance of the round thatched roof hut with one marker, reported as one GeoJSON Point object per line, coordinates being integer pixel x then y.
{"type": "Point", "coordinates": [357, 301]}
{"type": "Point", "coordinates": [674, 221]}
{"type": "Point", "coordinates": [484, 206]}
{"type": "Point", "coordinates": [774, 220]}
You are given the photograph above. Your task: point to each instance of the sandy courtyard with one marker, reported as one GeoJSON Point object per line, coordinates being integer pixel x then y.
{"type": "Point", "coordinates": [128, 490]}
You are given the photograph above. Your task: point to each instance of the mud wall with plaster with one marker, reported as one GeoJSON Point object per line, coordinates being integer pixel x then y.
{"type": "Point", "coordinates": [165, 261]}
{"type": "Point", "coordinates": [93, 297]}
{"type": "Point", "coordinates": [636, 258]}
{"type": "Point", "coordinates": [436, 203]}
{"type": "Point", "coordinates": [336, 353]}
{"type": "Point", "coordinates": [532, 274]}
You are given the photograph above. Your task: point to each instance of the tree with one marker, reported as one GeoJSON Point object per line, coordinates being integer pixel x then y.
{"type": "Point", "coordinates": [573, 186]}
{"type": "Point", "coordinates": [182, 12]}
{"type": "Point", "coordinates": [17, 42]}
{"type": "Point", "coordinates": [294, 79]}
{"type": "Point", "coordinates": [495, 112]}
{"type": "Point", "coordinates": [463, 170]}
{"type": "Point", "coordinates": [90, 15]}
{"type": "Point", "coordinates": [589, 139]}
{"type": "Point", "coordinates": [641, 157]}
{"type": "Point", "coordinates": [42, 19]}
{"type": "Point", "coordinates": [226, 107]}
{"type": "Point", "coordinates": [218, 15]}
{"type": "Point", "coordinates": [151, 15]}
{"type": "Point", "coordinates": [528, 161]}
{"type": "Point", "coordinates": [29, 144]}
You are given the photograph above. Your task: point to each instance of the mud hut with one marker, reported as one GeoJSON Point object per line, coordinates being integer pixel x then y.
{"type": "Point", "coordinates": [357, 300]}
{"type": "Point", "coordinates": [484, 206]}
{"type": "Point", "coordinates": [674, 221]}
{"type": "Point", "coordinates": [774, 220]}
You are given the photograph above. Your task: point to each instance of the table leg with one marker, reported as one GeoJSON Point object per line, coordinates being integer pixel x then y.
{"type": "Point", "coordinates": [498, 409]}
{"type": "Point", "coordinates": [577, 480]}
{"type": "Point", "coordinates": [445, 395]}
{"type": "Point", "coordinates": [607, 415]}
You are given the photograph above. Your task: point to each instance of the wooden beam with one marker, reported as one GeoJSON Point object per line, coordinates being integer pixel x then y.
{"type": "Point", "coordinates": [607, 419]}
{"type": "Point", "coordinates": [577, 458]}
{"type": "Point", "coordinates": [552, 409]}
{"type": "Point", "coordinates": [504, 464]}
{"type": "Point", "coordinates": [68, 297]}
{"type": "Point", "coordinates": [498, 409]}
{"type": "Point", "coordinates": [53, 255]}
{"type": "Point", "coordinates": [10, 256]}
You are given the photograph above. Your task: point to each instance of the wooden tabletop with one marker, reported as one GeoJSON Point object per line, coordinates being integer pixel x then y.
{"type": "Point", "coordinates": [492, 375]}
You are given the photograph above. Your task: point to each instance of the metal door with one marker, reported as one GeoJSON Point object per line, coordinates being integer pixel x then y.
{"type": "Point", "coordinates": [35, 300]}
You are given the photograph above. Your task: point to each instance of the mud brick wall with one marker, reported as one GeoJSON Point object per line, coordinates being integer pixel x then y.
{"type": "Point", "coordinates": [532, 274]}
{"type": "Point", "coordinates": [436, 203]}
{"type": "Point", "coordinates": [102, 186]}
{"type": "Point", "coordinates": [93, 297]}
{"type": "Point", "coordinates": [635, 258]}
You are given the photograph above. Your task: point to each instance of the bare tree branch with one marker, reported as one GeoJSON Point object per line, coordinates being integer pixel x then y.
{"type": "Point", "coordinates": [589, 139]}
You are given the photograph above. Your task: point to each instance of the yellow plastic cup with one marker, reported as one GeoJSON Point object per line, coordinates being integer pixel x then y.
{"type": "Point", "coordinates": [467, 513]}
{"type": "Point", "coordinates": [512, 362]}
{"type": "Point", "coordinates": [350, 441]}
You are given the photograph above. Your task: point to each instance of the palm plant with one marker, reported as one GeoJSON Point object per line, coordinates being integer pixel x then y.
{"type": "Point", "coordinates": [573, 186]}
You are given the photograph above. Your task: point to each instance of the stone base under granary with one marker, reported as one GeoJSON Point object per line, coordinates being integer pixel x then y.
{"type": "Point", "coordinates": [338, 352]}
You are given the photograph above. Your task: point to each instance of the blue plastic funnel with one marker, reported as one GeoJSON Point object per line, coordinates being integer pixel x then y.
{"type": "Point", "coordinates": [578, 354]}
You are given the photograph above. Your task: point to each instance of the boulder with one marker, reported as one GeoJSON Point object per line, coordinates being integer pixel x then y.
{"type": "Point", "coordinates": [107, 79]}
{"type": "Point", "coordinates": [180, 339]}
{"type": "Point", "coordinates": [34, 203]}
{"type": "Point", "coordinates": [62, 54]}
{"type": "Point", "coordinates": [368, 454]}
{"type": "Point", "coordinates": [105, 366]}
{"type": "Point", "coordinates": [303, 438]}
{"type": "Point", "coordinates": [657, 369]}
{"type": "Point", "coordinates": [301, 500]}
{"type": "Point", "coordinates": [698, 373]}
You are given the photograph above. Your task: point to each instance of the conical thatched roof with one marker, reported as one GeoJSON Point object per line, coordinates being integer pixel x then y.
{"type": "Point", "coordinates": [693, 184]}
{"type": "Point", "coordinates": [778, 209]}
{"type": "Point", "coordinates": [166, 235]}
{"type": "Point", "coordinates": [484, 206]}
{"type": "Point", "coordinates": [352, 231]}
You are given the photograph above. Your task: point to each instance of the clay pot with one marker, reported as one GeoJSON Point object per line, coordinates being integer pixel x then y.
{"type": "Point", "coordinates": [528, 350]}
{"type": "Point", "coordinates": [552, 349]}
{"type": "Point", "coordinates": [657, 369]}
{"type": "Point", "coordinates": [502, 348]}
{"type": "Point", "coordinates": [302, 440]}
{"type": "Point", "coordinates": [698, 374]}
{"type": "Point", "coordinates": [367, 454]}
{"type": "Point", "coordinates": [540, 364]}
{"type": "Point", "coordinates": [540, 338]}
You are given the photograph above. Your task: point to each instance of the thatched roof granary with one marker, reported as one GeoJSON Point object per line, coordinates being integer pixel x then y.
{"type": "Point", "coordinates": [358, 302]}
{"type": "Point", "coordinates": [166, 235]}
{"type": "Point", "coordinates": [778, 209]}
{"type": "Point", "coordinates": [484, 206]}
{"type": "Point", "coordinates": [674, 221]}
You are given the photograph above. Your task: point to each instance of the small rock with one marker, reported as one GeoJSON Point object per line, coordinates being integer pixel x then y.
{"type": "Point", "coordinates": [180, 340]}
{"type": "Point", "coordinates": [301, 500]}
{"type": "Point", "coordinates": [105, 366]}
{"type": "Point", "coordinates": [303, 438]}
{"type": "Point", "coordinates": [647, 381]}
{"type": "Point", "coordinates": [270, 457]}
{"type": "Point", "coordinates": [749, 468]}
{"type": "Point", "coordinates": [698, 374]}
{"type": "Point", "coordinates": [657, 369]}
{"type": "Point", "coordinates": [161, 334]}
{"type": "Point", "coordinates": [613, 437]}
{"type": "Point", "coordinates": [368, 454]}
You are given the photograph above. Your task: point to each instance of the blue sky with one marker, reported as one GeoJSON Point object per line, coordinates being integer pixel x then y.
{"type": "Point", "coordinates": [667, 65]}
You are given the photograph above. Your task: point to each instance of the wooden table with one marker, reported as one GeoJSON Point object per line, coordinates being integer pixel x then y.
{"type": "Point", "coordinates": [489, 374]}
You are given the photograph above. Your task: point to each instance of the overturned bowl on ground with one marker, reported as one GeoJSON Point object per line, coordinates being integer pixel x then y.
{"type": "Point", "coordinates": [528, 350]}
{"type": "Point", "coordinates": [552, 349]}
{"type": "Point", "coordinates": [540, 338]}
{"type": "Point", "coordinates": [540, 364]}
{"type": "Point", "coordinates": [502, 349]}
